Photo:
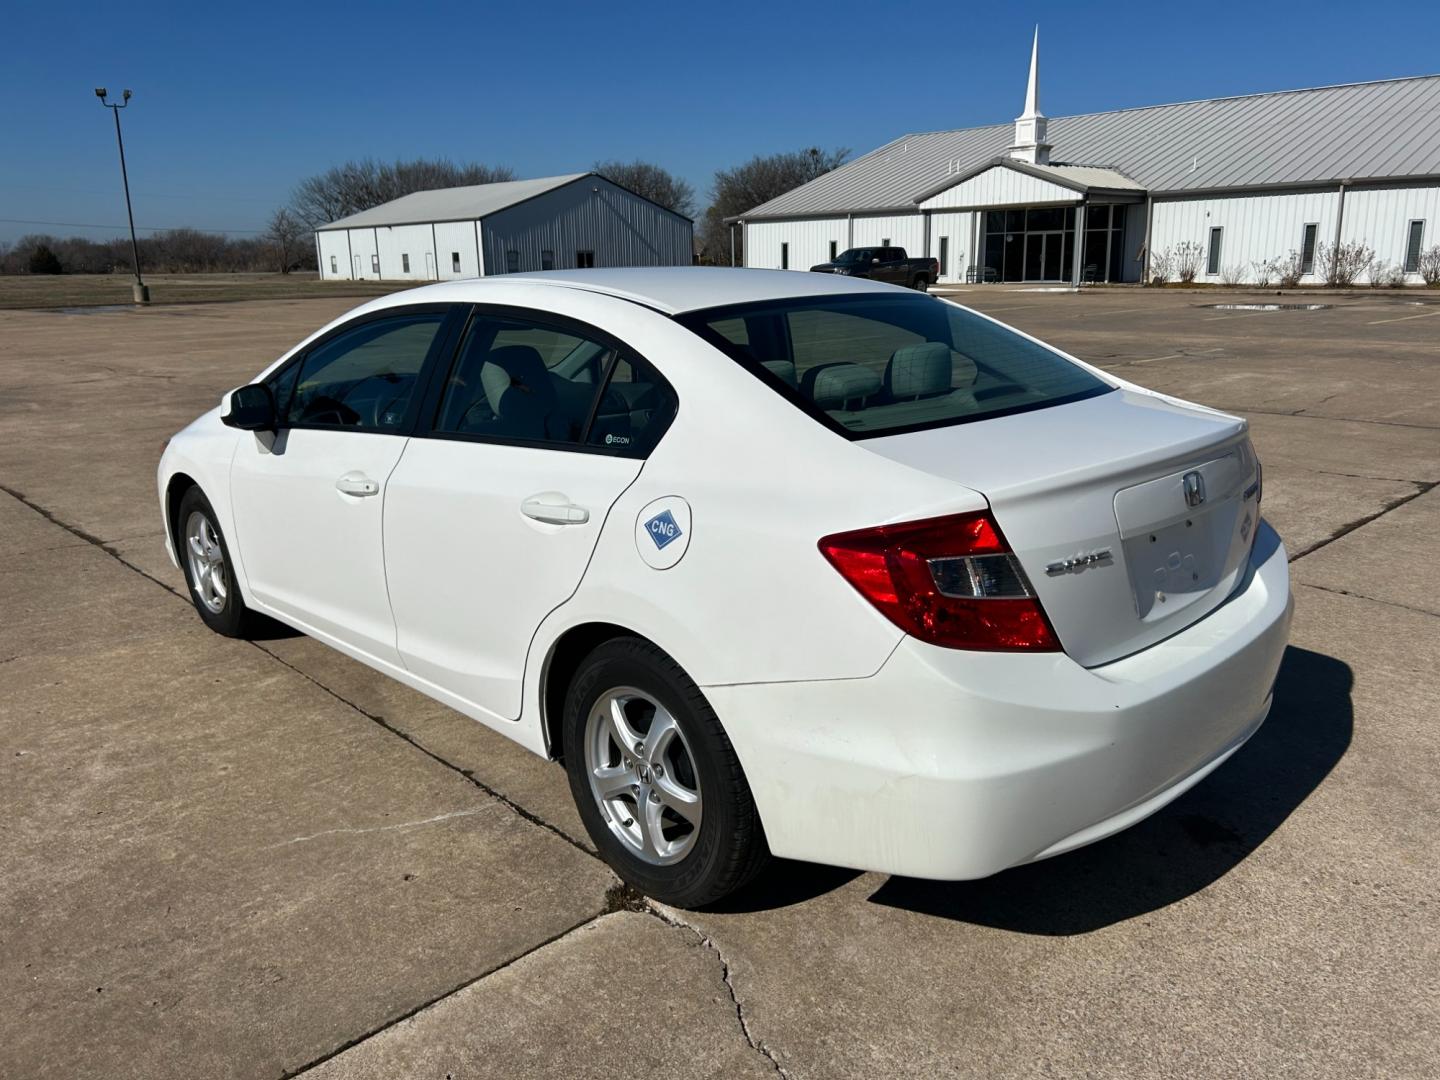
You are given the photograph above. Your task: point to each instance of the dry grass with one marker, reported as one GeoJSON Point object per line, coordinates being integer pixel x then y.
{"type": "Point", "coordinates": [91, 290]}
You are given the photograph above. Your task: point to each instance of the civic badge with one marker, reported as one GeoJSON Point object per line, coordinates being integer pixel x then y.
{"type": "Point", "coordinates": [1194, 485]}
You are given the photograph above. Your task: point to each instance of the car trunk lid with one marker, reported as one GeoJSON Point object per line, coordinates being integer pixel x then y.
{"type": "Point", "coordinates": [1131, 514]}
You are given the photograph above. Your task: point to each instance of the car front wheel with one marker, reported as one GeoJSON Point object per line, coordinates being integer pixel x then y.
{"type": "Point", "coordinates": [206, 560]}
{"type": "Point", "coordinates": [657, 783]}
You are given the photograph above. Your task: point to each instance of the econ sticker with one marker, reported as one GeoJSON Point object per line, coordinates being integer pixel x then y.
{"type": "Point", "coordinates": [662, 531]}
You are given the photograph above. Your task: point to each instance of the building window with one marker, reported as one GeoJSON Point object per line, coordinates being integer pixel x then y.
{"type": "Point", "coordinates": [584, 260]}
{"type": "Point", "coordinates": [334, 267]}
{"type": "Point", "coordinates": [404, 263]}
{"type": "Point", "coordinates": [512, 262]}
{"type": "Point", "coordinates": [1307, 249]}
{"type": "Point", "coordinates": [1212, 265]}
{"type": "Point", "coordinates": [455, 261]}
{"type": "Point", "coordinates": [1412, 247]}
{"type": "Point", "coordinates": [547, 260]}
{"type": "Point", "coordinates": [834, 249]}
{"type": "Point", "coordinates": [375, 265]}
{"type": "Point", "coordinates": [885, 242]}
{"type": "Point", "coordinates": [784, 256]}
{"type": "Point", "coordinates": [944, 256]}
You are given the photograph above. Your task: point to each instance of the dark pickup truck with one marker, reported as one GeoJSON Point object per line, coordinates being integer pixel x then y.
{"type": "Point", "coordinates": [883, 264]}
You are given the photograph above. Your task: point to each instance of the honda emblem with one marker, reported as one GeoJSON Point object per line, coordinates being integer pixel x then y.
{"type": "Point", "coordinates": [1194, 485]}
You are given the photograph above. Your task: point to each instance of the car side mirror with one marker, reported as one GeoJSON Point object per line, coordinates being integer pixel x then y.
{"type": "Point", "coordinates": [252, 408]}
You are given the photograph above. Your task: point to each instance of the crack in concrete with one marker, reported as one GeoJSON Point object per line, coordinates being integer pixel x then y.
{"type": "Point", "coordinates": [671, 918]}
{"type": "Point", "coordinates": [378, 828]}
{"type": "Point", "coordinates": [1371, 599]}
{"type": "Point", "coordinates": [1358, 523]}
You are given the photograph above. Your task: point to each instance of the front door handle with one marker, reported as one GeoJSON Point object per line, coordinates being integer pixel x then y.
{"type": "Point", "coordinates": [357, 484]}
{"type": "Point", "coordinates": [554, 508]}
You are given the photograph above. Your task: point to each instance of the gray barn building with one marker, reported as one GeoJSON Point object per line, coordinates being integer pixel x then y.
{"type": "Point", "coordinates": [550, 223]}
{"type": "Point", "coordinates": [1248, 180]}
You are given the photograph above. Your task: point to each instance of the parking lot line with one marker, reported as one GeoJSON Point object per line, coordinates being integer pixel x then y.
{"type": "Point", "coordinates": [1406, 318]}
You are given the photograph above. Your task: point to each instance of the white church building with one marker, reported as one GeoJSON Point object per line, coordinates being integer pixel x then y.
{"type": "Point", "coordinates": [1236, 182]}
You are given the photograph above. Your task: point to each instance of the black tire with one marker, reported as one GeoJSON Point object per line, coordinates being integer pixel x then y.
{"type": "Point", "coordinates": [729, 846]}
{"type": "Point", "coordinates": [921, 282]}
{"type": "Point", "coordinates": [233, 619]}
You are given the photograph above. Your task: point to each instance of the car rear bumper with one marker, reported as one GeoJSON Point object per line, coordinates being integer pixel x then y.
{"type": "Point", "coordinates": [951, 765]}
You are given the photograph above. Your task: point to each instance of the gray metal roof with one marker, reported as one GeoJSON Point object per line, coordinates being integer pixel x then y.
{"type": "Point", "coordinates": [1358, 131]}
{"type": "Point", "coordinates": [453, 204]}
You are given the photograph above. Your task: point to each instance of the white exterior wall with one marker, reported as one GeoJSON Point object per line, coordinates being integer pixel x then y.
{"type": "Point", "coordinates": [416, 241]}
{"type": "Point", "coordinates": [809, 241]}
{"type": "Point", "coordinates": [592, 214]}
{"type": "Point", "coordinates": [362, 247]}
{"type": "Point", "coordinates": [1257, 227]}
{"type": "Point", "coordinates": [902, 230]}
{"type": "Point", "coordinates": [333, 244]}
{"type": "Point", "coordinates": [1000, 186]}
{"type": "Point", "coordinates": [1380, 217]}
{"type": "Point", "coordinates": [959, 226]}
{"type": "Point", "coordinates": [457, 237]}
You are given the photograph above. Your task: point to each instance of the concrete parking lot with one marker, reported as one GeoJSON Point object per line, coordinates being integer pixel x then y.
{"type": "Point", "coordinates": [259, 860]}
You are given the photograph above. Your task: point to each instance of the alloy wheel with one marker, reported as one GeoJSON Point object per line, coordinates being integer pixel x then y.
{"type": "Point", "coordinates": [206, 559]}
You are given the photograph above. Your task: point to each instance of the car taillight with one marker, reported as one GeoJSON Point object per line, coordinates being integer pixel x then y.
{"type": "Point", "coordinates": [950, 581]}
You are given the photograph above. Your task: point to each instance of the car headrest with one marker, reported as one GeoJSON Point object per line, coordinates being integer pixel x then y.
{"type": "Point", "coordinates": [517, 366]}
{"type": "Point", "coordinates": [838, 385]}
{"type": "Point", "coordinates": [784, 370]}
{"type": "Point", "coordinates": [917, 370]}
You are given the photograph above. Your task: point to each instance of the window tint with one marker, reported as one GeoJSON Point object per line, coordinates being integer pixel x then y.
{"type": "Point", "coordinates": [363, 378]}
{"type": "Point", "coordinates": [878, 365]}
{"type": "Point", "coordinates": [531, 382]}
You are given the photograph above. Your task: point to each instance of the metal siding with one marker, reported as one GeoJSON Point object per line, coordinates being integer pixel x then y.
{"type": "Point", "coordinates": [412, 240]}
{"type": "Point", "coordinates": [1376, 130]}
{"type": "Point", "coordinates": [1381, 218]}
{"type": "Point", "coordinates": [959, 227]}
{"type": "Point", "coordinates": [451, 236]}
{"type": "Point", "coordinates": [1256, 227]}
{"type": "Point", "coordinates": [1002, 187]}
{"type": "Point", "coordinates": [362, 244]}
{"type": "Point", "coordinates": [596, 215]}
{"type": "Point", "coordinates": [809, 242]}
{"type": "Point", "coordinates": [334, 243]}
{"type": "Point", "coordinates": [902, 230]}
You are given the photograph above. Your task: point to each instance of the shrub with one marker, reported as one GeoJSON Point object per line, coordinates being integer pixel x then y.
{"type": "Point", "coordinates": [1385, 276]}
{"type": "Point", "coordinates": [1162, 266]}
{"type": "Point", "coordinates": [1430, 266]}
{"type": "Point", "coordinates": [1266, 270]}
{"type": "Point", "coordinates": [1187, 261]}
{"type": "Point", "coordinates": [1341, 264]}
{"type": "Point", "coordinates": [1289, 270]}
{"type": "Point", "coordinates": [1232, 275]}
{"type": "Point", "coordinates": [45, 261]}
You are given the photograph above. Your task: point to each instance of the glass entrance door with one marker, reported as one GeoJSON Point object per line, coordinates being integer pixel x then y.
{"type": "Point", "coordinates": [1034, 244]}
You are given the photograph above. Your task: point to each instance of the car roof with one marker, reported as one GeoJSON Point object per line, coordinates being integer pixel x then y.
{"type": "Point", "coordinates": [670, 289]}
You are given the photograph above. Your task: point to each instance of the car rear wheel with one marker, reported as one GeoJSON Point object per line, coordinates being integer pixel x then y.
{"type": "Point", "coordinates": [920, 282]}
{"type": "Point", "coordinates": [655, 778]}
{"type": "Point", "coordinates": [206, 559]}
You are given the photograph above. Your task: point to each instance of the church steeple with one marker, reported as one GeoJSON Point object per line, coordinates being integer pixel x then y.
{"type": "Point", "coordinates": [1030, 144]}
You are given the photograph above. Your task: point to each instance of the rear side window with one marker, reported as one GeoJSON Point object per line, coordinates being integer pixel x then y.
{"type": "Point", "coordinates": [524, 381]}
{"type": "Point", "coordinates": [870, 366]}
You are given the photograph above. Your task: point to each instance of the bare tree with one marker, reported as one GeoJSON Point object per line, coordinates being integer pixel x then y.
{"type": "Point", "coordinates": [1430, 266]}
{"type": "Point", "coordinates": [1187, 260]}
{"type": "Point", "coordinates": [654, 183]}
{"type": "Point", "coordinates": [1341, 264]}
{"type": "Point", "coordinates": [358, 185]}
{"type": "Point", "coordinates": [758, 181]}
{"type": "Point", "coordinates": [286, 235]}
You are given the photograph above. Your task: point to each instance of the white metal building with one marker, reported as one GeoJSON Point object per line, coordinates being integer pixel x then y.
{"type": "Point", "coordinates": [551, 223]}
{"type": "Point", "coordinates": [1249, 179]}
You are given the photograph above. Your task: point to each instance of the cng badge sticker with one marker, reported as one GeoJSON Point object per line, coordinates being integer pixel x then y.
{"type": "Point", "coordinates": [662, 532]}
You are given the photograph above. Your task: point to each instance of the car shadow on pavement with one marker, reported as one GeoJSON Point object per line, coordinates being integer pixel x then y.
{"type": "Point", "coordinates": [1179, 851]}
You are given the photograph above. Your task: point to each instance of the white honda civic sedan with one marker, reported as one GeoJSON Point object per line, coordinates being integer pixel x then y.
{"type": "Point", "coordinates": [774, 562]}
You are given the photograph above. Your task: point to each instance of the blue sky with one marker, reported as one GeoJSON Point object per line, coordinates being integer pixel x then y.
{"type": "Point", "coordinates": [236, 102]}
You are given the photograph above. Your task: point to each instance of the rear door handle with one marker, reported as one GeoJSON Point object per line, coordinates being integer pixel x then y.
{"type": "Point", "coordinates": [357, 484]}
{"type": "Point", "coordinates": [554, 508]}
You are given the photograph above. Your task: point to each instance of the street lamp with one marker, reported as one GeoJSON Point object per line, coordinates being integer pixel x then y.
{"type": "Point", "coordinates": [140, 290]}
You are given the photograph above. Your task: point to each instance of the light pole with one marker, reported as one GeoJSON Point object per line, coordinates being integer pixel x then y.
{"type": "Point", "coordinates": [140, 290]}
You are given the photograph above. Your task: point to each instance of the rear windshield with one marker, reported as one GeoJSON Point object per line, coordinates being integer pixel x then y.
{"type": "Point", "coordinates": [880, 365]}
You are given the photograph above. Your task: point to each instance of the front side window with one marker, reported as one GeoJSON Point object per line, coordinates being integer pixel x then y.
{"type": "Point", "coordinates": [881, 365]}
{"type": "Point", "coordinates": [535, 382]}
{"type": "Point", "coordinates": [363, 378]}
